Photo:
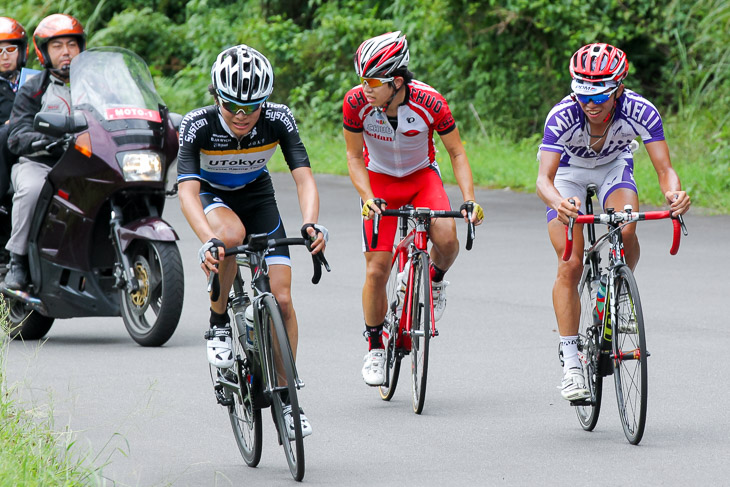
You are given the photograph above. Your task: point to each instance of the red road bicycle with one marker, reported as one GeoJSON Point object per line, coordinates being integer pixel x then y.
{"type": "Point", "coordinates": [611, 339]}
{"type": "Point", "coordinates": [409, 321]}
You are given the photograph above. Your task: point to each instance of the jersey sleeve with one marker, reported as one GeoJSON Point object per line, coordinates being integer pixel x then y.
{"type": "Point", "coordinates": [188, 155]}
{"type": "Point", "coordinates": [643, 117]}
{"type": "Point", "coordinates": [562, 120]}
{"type": "Point", "coordinates": [444, 120]}
{"type": "Point", "coordinates": [295, 154]}
{"type": "Point", "coordinates": [352, 109]}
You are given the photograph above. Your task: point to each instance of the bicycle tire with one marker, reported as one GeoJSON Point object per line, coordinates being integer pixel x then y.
{"type": "Point", "coordinates": [630, 356]}
{"type": "Point", "coordinates": [392, 324]}
{"type": "Point", "coordinates": [421, 313]}
{"type": "Point", "coordinates": [589, 350]}
{"type": "Point", "coordinates": [244, 416]}
{"type": "Point", "coordinates": [293, 449]}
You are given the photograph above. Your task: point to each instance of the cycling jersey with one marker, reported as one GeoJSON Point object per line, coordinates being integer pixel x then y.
{"type": "Point", "coordinates": [211, 153]}
{"type": "Point", "coordinates": [408, 148]}
{"type": "Point", "coordinates": [566, 131]}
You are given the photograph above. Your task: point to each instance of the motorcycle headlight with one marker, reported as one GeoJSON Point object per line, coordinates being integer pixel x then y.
{"type": "Point", "coordinates": [141, 166]}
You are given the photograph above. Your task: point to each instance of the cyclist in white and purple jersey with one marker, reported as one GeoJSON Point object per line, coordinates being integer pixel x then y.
{"type": "Point", "coordinates": [588, 140]}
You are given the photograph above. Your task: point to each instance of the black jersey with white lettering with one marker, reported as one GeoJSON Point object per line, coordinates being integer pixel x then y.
{"type": "Point", "coordinates": [209, 152]}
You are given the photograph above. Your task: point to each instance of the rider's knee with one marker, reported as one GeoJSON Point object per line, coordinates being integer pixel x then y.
{"type": "Point", "coordinates": [570, 271]}
{"type": "Point", "coordinates": [231, 236]}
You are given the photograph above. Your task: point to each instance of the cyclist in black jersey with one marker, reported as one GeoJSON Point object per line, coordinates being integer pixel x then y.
{"type": "Point", "coordinates": [226, 192]}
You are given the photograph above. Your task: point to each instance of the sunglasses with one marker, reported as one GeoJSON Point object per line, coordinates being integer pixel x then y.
{"type": "Point", "coordinates": [597, 99]}
{"type": "Point", "coordinates": [8, 49]}
{"type": "Point", "coordinates": [375, 82]}
{"type": "Point", "coordinates": [236, 108]}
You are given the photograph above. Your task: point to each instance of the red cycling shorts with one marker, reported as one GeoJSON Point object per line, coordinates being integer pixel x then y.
{"type": "Point", "coordinates": [422, 189]}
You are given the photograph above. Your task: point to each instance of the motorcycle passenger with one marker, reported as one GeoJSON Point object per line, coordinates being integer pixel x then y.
{"type": "Point", "coordinates": [389, 120]}
{"type": "Point", "coordinates": [57, 40]}
{"type": "Point", "coordinates": [226, 191]}
{"type": "Point", "coordinates": [13, 54]}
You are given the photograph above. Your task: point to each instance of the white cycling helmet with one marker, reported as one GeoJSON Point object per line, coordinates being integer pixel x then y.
{"type": "Point", "coordinates": [242, 74]}
{"type": "Point", "coordinates": [380, 56]}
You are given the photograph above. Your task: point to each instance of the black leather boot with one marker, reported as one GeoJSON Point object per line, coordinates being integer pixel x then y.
{"type": "Point", "coordinates": [17, 276]}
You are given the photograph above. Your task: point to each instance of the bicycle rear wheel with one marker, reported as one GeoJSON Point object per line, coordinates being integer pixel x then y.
{"type": "Point", "coordinates": [281, 364]}
{"type": "Point", "coordinates": [422, 306]}
{"type": "Point", "coordinates": [245, 418]}
{"type": "Point", "coordinates": [390, 335]}
{"type": "Point", "coordinates": [588, 351]}
{"type": "Point", "coordinates": [629, 356]}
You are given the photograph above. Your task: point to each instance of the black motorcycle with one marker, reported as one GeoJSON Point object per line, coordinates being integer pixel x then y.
{"type": "Point", "coordinates": [98, 245]}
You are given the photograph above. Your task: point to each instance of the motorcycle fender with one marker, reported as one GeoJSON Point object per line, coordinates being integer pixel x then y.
{"type": "Point", "coordinates": [149, 228]}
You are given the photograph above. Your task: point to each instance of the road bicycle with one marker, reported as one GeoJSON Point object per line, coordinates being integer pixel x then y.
{"type": "Point", "coordinates": [263, 372]}
{"type": "Point", "coordinates": [611, 337]}
{"type": "Point", "coordinates": [409, 321]}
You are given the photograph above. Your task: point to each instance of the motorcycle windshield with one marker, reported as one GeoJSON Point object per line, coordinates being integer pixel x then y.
{"type": "Point", "coordinates": [115, 83]}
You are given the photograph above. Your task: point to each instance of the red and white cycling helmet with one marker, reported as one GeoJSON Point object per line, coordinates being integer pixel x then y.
{"type": "Point", "coordinates": [11, 31]}
{"type": "Point", "coordinates": [242, 74]}
{"type": "Point", "coordinates": [53, 26]}
{"type": "Point", "coordinates": [380, 56]}
{"type": "Point", "coordinates": [599, 63]}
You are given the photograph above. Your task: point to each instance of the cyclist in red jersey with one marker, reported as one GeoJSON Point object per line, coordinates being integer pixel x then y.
{"type": "Point", "coordinates": [389, 120]}
{"type": "Point", "coordinates": [587, 139]}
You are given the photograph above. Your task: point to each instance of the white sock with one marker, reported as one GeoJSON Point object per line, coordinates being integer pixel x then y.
{"type": "Point", "coordinates": [570, 352]}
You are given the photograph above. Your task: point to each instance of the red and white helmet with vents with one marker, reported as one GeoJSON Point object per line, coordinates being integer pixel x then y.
{"type": "Point", "coordinates": [380, 56]}
{"type": "Point", "coordinates": [242, 74]}
{"type": "Point", "coordinates": [599, 62]}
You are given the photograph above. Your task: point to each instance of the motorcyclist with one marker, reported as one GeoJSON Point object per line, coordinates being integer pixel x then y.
{"type": "Point", "coordinates": [13, 54]}
{"type": "Point", "coordinates": [57, 40]}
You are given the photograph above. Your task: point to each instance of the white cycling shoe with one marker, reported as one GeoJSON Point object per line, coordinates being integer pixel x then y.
{"type": "Point", "coordinates": [289, 420]}
{"type": "Point", "coordinates": [438, 290]}
{"type": "Point", "coordinates": [573, 386]}
{"type": "Point", "coordinates": [373, 369]}
{"type": "Point", "coordinates": [220, 350]}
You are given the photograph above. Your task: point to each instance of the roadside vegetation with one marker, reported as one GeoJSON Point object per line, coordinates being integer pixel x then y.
{"type": "Point", "coordinates": [500, 64]}
{"type": "Point", "coordinates": [32, 452]}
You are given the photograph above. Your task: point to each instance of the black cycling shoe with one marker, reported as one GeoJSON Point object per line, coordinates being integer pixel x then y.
{"type": "Point", "coordinates": [17, 276]}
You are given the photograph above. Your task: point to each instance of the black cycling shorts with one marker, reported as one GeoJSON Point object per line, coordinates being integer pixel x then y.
{"type": "Point", "coordinates": [255, 205]}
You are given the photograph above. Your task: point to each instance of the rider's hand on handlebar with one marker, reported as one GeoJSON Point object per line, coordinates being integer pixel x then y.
{"type": "Point", "coordinates": [569, 209]}
{"type": "Point", "coordinates": [207, 261]}
{"type": "Point", "coordinates": [317, 234]}
{"type": "Point", "coordinates": [372, 206]}
{"type": "Point", "coordinates": [477, 213]}
{"type": "Point", "coordinates": [679, 202]}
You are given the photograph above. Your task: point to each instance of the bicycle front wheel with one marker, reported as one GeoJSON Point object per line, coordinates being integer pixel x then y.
{"type": "Point", "coordinates": [245, 418]}
{"type": "Point", "coordinates": [421, 312]}
{"type": "Point", "coordinates": [629, 356]}
{"type": "Point", "coordinates": [588, 351]}
{"type": "Point", "coordinates": [390, 335]}
{"type": "Point", "coordinates": [281, 364]}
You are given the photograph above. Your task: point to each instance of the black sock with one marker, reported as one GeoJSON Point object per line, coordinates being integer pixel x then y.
{"type": "Point", "coordinates": [437, 275]}
{"type": "Point", "coordinates": [218, 320]}
{"type": "Point", "coordinates": [285, 397]}
{"type": "Point", "coordinates": [375, 336]}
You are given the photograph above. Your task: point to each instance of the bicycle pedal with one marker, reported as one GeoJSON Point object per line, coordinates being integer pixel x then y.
{"type": "Point", "coordinates": [300, 383]}
{"type": "Point", "coordinates": [435, 332]}
{"type": "Point", "coordinates": [221, 398]}
{"type": "Point", "coordinates": [581, 402]}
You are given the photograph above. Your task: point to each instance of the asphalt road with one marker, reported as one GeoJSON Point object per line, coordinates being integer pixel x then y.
{"type": "Point", "coordinates": [493, 413]}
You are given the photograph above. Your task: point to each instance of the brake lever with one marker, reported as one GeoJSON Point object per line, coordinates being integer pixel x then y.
{"type": "Point", "coordinates": [214, 283]}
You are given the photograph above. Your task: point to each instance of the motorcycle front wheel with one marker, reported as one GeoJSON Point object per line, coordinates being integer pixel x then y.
{"type": "Point", "coordinates": [151, 313]}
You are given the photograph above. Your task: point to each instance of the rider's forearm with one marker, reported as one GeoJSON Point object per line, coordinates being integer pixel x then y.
{"type": "Point", "coordinates": [192, 209]}
{"type": "Point", "coordinates": [307, 194]}
{"type": "Point", "coordinates": [359, 177]}
{"type": "Point", "coordinates": [463, 175]}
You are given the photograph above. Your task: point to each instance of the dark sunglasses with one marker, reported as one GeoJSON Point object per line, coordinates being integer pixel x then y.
{"type": "Point", "coordinates": [235, 108]}
{"type": "Point", "coordinates": [597, 99]}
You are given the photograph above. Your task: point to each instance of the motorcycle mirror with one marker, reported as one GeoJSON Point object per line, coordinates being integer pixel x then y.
{"type": "Point", "coordinates": [176, 119]}
{"type": "Point", "coordinates": [58, 124]}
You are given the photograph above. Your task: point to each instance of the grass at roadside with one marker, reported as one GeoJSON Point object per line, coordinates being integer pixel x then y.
{"type": "Point", "coordinates": [701, 157]}
{"type": "Point", "coordinates": [31, 452]}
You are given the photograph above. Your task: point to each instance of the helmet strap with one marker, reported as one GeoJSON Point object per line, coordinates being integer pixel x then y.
{"type": "Point", "coordinates": [384, 108]}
